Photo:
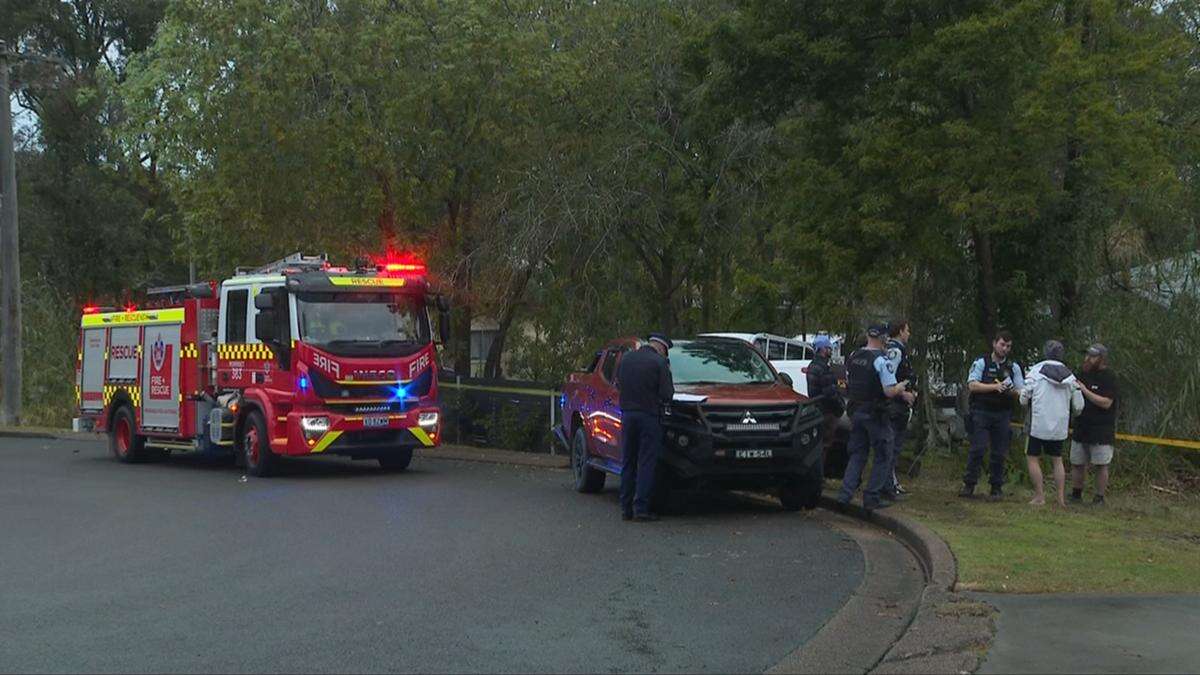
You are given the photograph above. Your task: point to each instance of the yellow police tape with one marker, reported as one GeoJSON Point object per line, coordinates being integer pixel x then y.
{"type": "Point", "coordinates": [500, 390]}
{"type": "Point", "coordinates": [1148, 440]}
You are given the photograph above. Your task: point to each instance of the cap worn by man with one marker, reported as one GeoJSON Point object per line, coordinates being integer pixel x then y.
{"type": "Point", "coordinates": [661, 339]}
{"type": "Point", "coordinates": [1097, 349]}
{"type": "Point", "coordinates": [1053, 350]}
{"type": "Point", "coordinates": [877, 330]}
{"type": "Point", "coordinates": [822, 342]}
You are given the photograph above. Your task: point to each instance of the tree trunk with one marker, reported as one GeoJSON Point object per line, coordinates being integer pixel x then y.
{"type": "Point", "coordinates": [987, 283]}
{"type": "Point", "coordinates": [459, 216]}
{"type": "Point", "coordinates": [666, 294]}
{"type": "Point", "coordinates": [494, 366]}
{"type": "Point", "coordinates": [387, 215]}
{"type": "Point", "coordinates": [10, 264]}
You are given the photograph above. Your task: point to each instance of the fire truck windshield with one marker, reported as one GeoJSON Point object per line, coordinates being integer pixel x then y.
{"type": "Point", "coordinates": [363, 323]}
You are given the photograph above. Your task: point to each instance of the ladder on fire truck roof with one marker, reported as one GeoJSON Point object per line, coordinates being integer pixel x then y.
{"type": "Point", "coordinates": [295, 262]}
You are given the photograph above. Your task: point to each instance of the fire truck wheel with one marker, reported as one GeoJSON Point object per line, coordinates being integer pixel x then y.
{"type": "Point", "coordinates": [256, 449]}
{"type": "Point", "coordinates": [398, 461]}
{"type": "Point", "coordinates": [587, 479]}
{"type": "Point", "coordinates": [126, 443]}
{"type": "Point", "coordinates": [800, 493]}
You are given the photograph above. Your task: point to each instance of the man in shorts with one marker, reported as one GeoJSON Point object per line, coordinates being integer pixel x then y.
{"type": "Point", "coordinates": [1051, 395]}
{"type": "Point", "coordinates": [1096, 426]}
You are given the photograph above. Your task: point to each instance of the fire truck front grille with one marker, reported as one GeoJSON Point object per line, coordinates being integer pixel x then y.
{"type": "Point", "coordinates": [333, 391]}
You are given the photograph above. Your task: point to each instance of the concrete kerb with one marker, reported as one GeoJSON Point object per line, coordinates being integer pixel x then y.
{"type": "Point", "coordinates": [950, 632]}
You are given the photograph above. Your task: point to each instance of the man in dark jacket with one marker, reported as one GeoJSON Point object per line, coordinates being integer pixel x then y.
{"type": "Point", "coordinates": [646, 389]}
{"type": "Point", "coordinates": [822, 382]}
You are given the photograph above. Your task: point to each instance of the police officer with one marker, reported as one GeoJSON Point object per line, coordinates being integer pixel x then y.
{"type": "Point", "coordinates": [900, 407]}
{"type": "Point", "coordinates": [871, 382]}
{"type": "Point", "coordinates": [822, 382]}
{"type": "Point", "coordinates": [995, 382]}
{"type": "Point", "coordinates": [646, 389]}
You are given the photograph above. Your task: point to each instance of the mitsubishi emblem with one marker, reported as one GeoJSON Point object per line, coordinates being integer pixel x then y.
{"type": "Point", "coordinates": [749, 418]}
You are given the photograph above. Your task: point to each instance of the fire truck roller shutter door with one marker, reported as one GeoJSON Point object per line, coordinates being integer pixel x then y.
{"type": "Point", "coordinates": [95, 342]}
{"type": "Point", "coordinates": [160, 377]}
{"type": "Point", "coordinates": [123, 353]}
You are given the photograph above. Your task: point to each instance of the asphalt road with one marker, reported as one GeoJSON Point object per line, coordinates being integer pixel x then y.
{"type": "Point", "coordinates": [337, 566]}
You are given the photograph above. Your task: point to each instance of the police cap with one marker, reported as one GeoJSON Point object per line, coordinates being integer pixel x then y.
{"type": "Point", "coordinates": [877, 330]}
{"type": "Point", "coordinates": [661, 339]}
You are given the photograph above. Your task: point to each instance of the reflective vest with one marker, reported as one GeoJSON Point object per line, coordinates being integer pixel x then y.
{"type": "Point", "coordinates": [863, 386]}
{"type": "Point", "coordinates": [994, 372]}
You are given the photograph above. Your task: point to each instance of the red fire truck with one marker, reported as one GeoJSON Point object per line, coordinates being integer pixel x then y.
{"type": "Point", "coordinates": [295, 358]}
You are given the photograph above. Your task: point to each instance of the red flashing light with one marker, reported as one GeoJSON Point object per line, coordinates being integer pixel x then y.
{"type": "Point", "coordinates": [131, 307]}
{"type": "Point", "coordinates": [91, 309]}
{"type": "Point", "coordinates": [413, 268]}
{"type": "Point", "coordinates": [405, 264]}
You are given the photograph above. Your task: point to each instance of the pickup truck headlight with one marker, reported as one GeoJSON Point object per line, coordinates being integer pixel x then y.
{"type": "Point", "coordinates": [314, 427]}
{"type": "Point", "coordinates": [427, 420]}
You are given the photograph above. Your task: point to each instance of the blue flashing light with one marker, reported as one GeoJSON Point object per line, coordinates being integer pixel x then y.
{"type": "Point", "coordinates": [399, 392]}
{"type": "Point", "coordinates": [302, 382]}
{"type": "Point", "coordinates": [562, 401]}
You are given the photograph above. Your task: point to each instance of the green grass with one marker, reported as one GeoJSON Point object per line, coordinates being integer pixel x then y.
{"type": "Point", "coordinates": [1143, 541]}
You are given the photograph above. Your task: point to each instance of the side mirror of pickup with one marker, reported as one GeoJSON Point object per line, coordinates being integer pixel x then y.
{"type": "Point", "coordinates": [786, 379]}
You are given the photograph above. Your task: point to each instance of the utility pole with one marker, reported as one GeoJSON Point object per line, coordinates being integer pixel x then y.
{"type": "Point", "coordinates": [10, 249]}
{"type": "Point", "coordinates": [10, 256]}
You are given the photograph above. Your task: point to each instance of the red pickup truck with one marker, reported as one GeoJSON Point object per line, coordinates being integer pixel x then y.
{"type": "Point", "coordinates": [735, 423]}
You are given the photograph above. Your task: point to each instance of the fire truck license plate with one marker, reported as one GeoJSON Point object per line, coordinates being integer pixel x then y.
{"type": "Point", "coordinates": [375, 421]}
{"type": "Point", "coordinates": [754, 454]}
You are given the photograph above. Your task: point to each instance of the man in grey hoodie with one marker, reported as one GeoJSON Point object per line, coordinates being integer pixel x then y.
{"type": "Point", "coordinates": [1051, 396]}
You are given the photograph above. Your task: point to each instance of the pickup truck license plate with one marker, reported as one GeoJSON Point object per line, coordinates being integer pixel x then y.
{"type": "Point", "coordinates": [375, 421]}
{"type": "Point", "coordinates": [753, 454]}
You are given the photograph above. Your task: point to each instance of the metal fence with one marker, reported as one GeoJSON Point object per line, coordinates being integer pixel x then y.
{"type": "Point", "coordinates": [509, 414]}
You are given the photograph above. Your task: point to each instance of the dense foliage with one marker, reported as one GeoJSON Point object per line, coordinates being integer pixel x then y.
{"type": "Point", "coordinates": [579, 169]}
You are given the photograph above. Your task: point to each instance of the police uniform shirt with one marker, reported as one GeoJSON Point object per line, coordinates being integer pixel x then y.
{"type": "Point", "coordinates": [1014, 372]}
{"type": "Point", "coordinates": [895, 355]}
{"type": "Point", "coordinates": [886, 370]}
{"type": "Point", "coordinates": [869, 374]}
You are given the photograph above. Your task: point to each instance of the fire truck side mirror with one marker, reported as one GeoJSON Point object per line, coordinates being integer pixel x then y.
{"type": "Point", "coordinates": [443, 304]}
{"type": "Point", "coordinates": [444, 327]}
{"type": "Point", "coordinates": [264, 301]}
{"type": "Point", "coordinates": [266, 320]}
{"type": "Point", "coordinates": [264, 326]}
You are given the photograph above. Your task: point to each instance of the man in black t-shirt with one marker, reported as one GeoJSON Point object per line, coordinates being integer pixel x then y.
{"type": "Point", "coordinates": [1096, 426]}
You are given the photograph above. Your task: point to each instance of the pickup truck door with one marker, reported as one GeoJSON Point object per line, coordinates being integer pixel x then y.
{"type": "Point", "coordinates": [605, 415]}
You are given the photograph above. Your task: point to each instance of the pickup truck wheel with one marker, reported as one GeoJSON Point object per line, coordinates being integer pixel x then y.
{"type": "Point", "coordinates": [800, 493]}
{"type": "Point", "coordinates": [126, 444]}
{"type": "Point", "coordinates": [256, 447]}
{"type": "Point", "coordinates": [398, 461]}
{"type": "Point", "coordinates": [587, 479]}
